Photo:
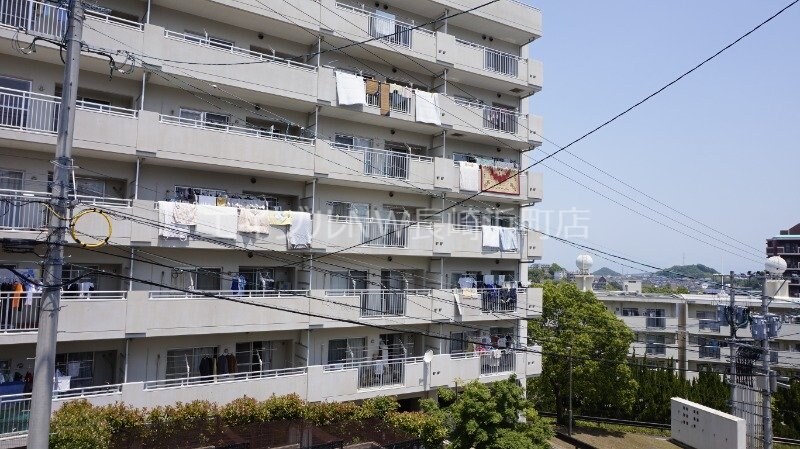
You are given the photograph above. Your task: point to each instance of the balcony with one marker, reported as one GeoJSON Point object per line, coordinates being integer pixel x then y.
{"type": "Point", "coordinates": [400, 306]}
{"type": "Point", "coordinates": [484, 123]}
{"type": "Point", "coordinates": [488, 68]}
{"type": "Point", "coordinates": [468, 241]}
{"type": "Point", "coordinates": [656, 323]}
{"type": "Point", "coordinates": [375, 236]}
{"type": "Point", "coordinates": [373, 165]}
{"type": "Point", "coordinates": [709, 352]}
{"type": "Point", "coordinates": [33, 118]}
{"type": "Point", "coordinates": [512, 18]}
{"type": "Point", "coordinates": [200, 143]}
{"type": "Point", "coordinates": [271, 79]}
{"type": "Point", "coordinates": [448, 177]}
{"type": "Point", "coordinates": [486, 363]}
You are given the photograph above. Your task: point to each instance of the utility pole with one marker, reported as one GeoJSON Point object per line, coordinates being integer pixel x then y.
{"type": "Point", "coordinates": [732, 344]}
{"type": "Point", "coordinates": [766, 395]}
{"type": "Point", "coordinates": [44, 368]}
{"type": "Point", "coordinates": [570, 391]}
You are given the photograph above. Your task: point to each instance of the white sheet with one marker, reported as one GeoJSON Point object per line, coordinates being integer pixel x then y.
{"type": "Point", "coordinates": [427, 108]}
{"type": "Point", "coordinates": [217, 221]}
{"type": "Point", "coordinates": [253, 221]}
{"type": "Point", "coordinates": [168, 229]}
{"type": "Point", "coordinates": [491, 236]}
{"type": "Point", "coordinates": [469, 176]}
{"type": "Point", "coordinates": [509, 241]}
{"type": "Point", "coordinates": [185, 213]}
{"type": "Point", "coordinates": [350, 89]}
{"type": "Point", "coordinates": [300, 230]}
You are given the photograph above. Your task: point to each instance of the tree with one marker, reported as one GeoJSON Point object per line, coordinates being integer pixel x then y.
{"type": "Point", "coordinates": [487, 417]}
{"type": "Point", "coordinates": [787, 411]}
{"type": "Point", "coordinates": [554, 268]}
{"type": "Point", "coordinates": [602, 379]}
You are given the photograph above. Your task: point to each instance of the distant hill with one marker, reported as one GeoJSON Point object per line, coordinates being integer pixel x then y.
{"type": "Point", "coordinates": [605, 271]}
{"type": "Point", "coordinates": [695, 271]}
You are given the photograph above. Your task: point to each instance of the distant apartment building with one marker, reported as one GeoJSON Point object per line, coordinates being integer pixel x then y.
{"type": "Point", "coordinates": [248, 160]}
{"type": "Point", "coordinates": [787, 245]}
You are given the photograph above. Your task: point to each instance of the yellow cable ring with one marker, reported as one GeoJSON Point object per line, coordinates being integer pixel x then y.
{"type": "Point", "coordinates": [81, 214]}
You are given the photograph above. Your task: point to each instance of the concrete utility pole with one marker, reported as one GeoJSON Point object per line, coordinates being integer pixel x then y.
{"type": "Point", "coordinates": [732, 345]}
{"type": "Point", "coordinates": [570, 391]}
{"type": "Point", "coordinates": [44, 368]}
{"type": "Point", "coordinates": [766, 395]}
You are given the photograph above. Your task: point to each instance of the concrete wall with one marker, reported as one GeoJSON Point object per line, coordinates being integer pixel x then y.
{"type": "Point", "coordinates": [702, 427]}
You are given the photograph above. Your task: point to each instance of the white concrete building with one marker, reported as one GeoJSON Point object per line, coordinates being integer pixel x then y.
{"type": "Point", "coordinates": [238, 104]}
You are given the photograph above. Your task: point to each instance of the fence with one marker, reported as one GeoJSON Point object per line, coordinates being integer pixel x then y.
{"type": "Point", "coordinates": [22, 210]}
{"type": "Point", "coordinates": [381, 373]}
{"type": "Point", "coordinates": [747, 404]}
{"type": "Point", "coordinates": [28, 111]}
{"type": "Point", "coordinates": [495, 60]}
{"type": "Point", "coordinates": [497, 361]}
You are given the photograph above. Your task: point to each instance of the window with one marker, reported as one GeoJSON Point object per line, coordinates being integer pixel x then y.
{"type": "Point", "coordinates": [79, 366]}
{"type": "Point", "coordinates": [477, 277]}
{"type": "Point", "coordinates": [254, 356]}
{"type": "Point", "coordinates": [204, 119]}
{"type": "Point", "coordinates": [5, 370]}
{"type": "Point", "coordinates": [344, 209]}
{"type": "Point", "coordinates": [503, 220]}
{"type": "Point", "coordinates": [458, 342]}
{"type": "Point", "coordinates": [706, 315]}
{"type": "Point", "coordinates": [186, 362]}
{"type": "Point", "coordinates": [630, 311]}
{"type": "Point", "coordinates": [86, 273]}
{"type": "Point", "coordinates": [184, 193]}
{"type": "Point", "coordinates": [469, 219]}
{"type": "Point", "coordinates": [502, 276]}
{"type": "Point", "coordinates": [655, 318]}
{"type": "Point", "coordinates": [347, 350]}
{"type": "Point", "coordinates": [267, 128]}
{"type": "Point", "coordinates": [11, 180]}
{"type": "Point", "coordinates": [349, 280]}
{"type": "Point", "coordinates": [655, 345]}
{"type": "Point", "coordinates": [267, 279]}
{"type": "Point", "coordinates": [205, 39]}
{"type": "Point", "coordinates": [270, 51]}
{"type": "Point", "coordinates": [203, 279]}
{"type": "Point", "coordinates": [13, 106]}
{"type": "Point", "coordinates": [353, 141]}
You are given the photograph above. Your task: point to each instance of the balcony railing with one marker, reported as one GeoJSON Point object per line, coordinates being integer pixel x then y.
{"type": "Point", "coordinates": [709, 352]}
{"type": "Point", "coordinates": [496, 361]}
{"type": "Point", "coordinates": [229, 48]}
{"type": "Point", "coordinates": [383, 163]}
{"type": "Point", "coordinates": [495, 60]}
{"type": "Point", "coordinates": [397, 102]}
{"type": "Point", "coordinates": [255, 294]}
{"type": "Point", "coordinates": [655, 349]}
{"type": "Point", "coordinates": [183, 381]}
{"type": "Point", "coordinates": [28, 111]}
{"type": "Point", "coordinates": [378, 303]}
{"type": "Point", "coordinates": [48, 19]}
{"type": "Point", "coordinates": [496, 119]}
{"type": "Point", "coordinates": [23, 211]}
{"type": "Point", "coordinates": [14, 414]}
{"type": "Point", "coordinates": [20, 312]}
{"type": "Point", "coordinates": [230, 129]}
{"type": "Point", "coordinates": [656, 322]}
{"type": "Point", "coordinates": [390, 28]}
{"type": "Point", "coordinates": [385, 233]}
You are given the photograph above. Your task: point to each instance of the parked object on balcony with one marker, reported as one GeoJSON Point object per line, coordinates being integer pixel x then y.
{"type": "Point", "coordinates": [469, 176]}
{"type": "Point", "coordinates": [280, 217]}
{"type": "Point", "coordinates": [508, 239]}
{"type": "Point", "coordinates": [491, 237]}
{"type": "Point", "coordinates": [168, 229]}
{"type": "Point", "coordinates": [427, 108]}
{"type": "Point", "coordinates": [499, 180]}
{"type": "Point", "coordinates": [300, 231]}
{"type": "Point", "coordinates": [350, 89]}
{"type": "Point", "coordinates": [185, 214]}
{"type": "Point", "coordinates": [253, 221]}
{"type": "Point", "coordinates": [217, 221]}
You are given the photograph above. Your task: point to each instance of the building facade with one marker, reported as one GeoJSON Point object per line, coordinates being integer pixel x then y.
{"type": "Point", "coordinates": [285, 216]}
{"type": "Point", "coordinates": [787, 246]}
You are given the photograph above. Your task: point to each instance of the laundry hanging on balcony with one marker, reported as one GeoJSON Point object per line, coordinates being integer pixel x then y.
{"type": "Point", "coordinates": [499, 180]}
{"type": "Point", "coordinates": [469, 177]}
{"type": "Point", "coordinates": [217, 221]}
{"type": "Point", "coordinates": [508, 239]}
{"type": "Point", "coordinates": [168, 228]}
{"type": "Point", "coordinates": [300, 231]}
{"type": "Point", "coordinates": [280, 217]}
{"type": "Point", "coordinates": [385, 99]}
{"type": "Point", "coordinates": [350, 89]}
{"type": "Point", "coordinates": [253, 221]}
{"type": "Point", "coordinates": [185, 213]}
{"type": "Point", "coordinates": [491, 237]}
{"type": "Point", "coordinates": [427, 108]}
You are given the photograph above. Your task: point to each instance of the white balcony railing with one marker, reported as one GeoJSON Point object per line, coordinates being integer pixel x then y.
{"type": "Point", "coordinates": [377, 303]}
{"type": "Point", "coordinates": [20, 312]}
{"type": "Point", "coordinates": [254, 294]}
{"type": "Point", "coordinates": [497, 361]}
{"type": "Point", "coordinates": [383, 163]}
{"type": "Point", "coordinates": [14, 412]}
{"type": "Point", "coordinates": [23, 211]}
{"type": "Point", "coordinates": [231, 129]}
{"type": "Point", "coordinates": [49, 19]}
{"type": "Point", "coordinates": [184, 381]}
{"type": "Point", "coordinates": [495, 60]}
{"type": "Point", "coordinates": [381, 373]}
{"type": "Point", "coordinates": [229, 48]}
{"type": "Point", "coordinates": [389, 27]}
{"type": "Point", "coordinates": [496, 119]}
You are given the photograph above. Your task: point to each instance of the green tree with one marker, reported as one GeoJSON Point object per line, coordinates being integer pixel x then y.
{"type": "Point", "coordinates": [599, 341]}
{"type": "Point", "coordinates": [656, 386]}
{"type": "Point", "coordinates": [787, 411]}
{"type": "Point", "coordinates": [711, 390]}
{"type": "Point", "coordinates": [487, 417]}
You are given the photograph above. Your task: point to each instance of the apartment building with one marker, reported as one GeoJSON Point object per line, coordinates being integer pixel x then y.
{"type": "Point", "coordinates": [787, 246]}
{"type": "Point", "coordinates": [226, 109]}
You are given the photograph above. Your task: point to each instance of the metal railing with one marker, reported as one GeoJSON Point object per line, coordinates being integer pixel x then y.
{"type": "Point", "coordinates": [19, 312]}
{"type": "Point", "coordinates": [22, 210]}
{"type": "Point", "coordinates": [383, 163]}
{"type": "Point", "coordinates": [377, 303]}
{"type": "Point", "coordinates": [397, 102]}
{"type": "Point", "coordinates": [494, 118]}
{"type": "Point", "coordinates": [81, 392]}
{"type": "Point", "coordinates": [224, 47]}
{"type": "Point", "coordinates": [103, 201]}
{"type": "Point", "coordinates": [255, 294]}
{"type": "Point", "coordinates": [50, 20]}
{"type": "Point", "coordinates": [497, 361]}
{"type": "Point", "coordinates": [230, 129]}
{"type": "Point", "coordinates": [656, 322]}
{"type": "Point", "coordinates": [381, 373]}
{"type": "Point", "coordinates": [495, 60]}
{"type": "Point", "coordinates": [14, 413]}
{"type": "Point", "coordinates": [385, 233]}
{"type": "Point", "coordinates": [179, 382]}
{"type": "Point", "coordinates": [709, 352]}
{"type": "Point", "coordinates": [390, 28]}
{"type": "Point", "coordinates": [498, 300]}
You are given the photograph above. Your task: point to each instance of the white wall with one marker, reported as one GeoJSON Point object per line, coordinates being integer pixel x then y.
{"type": "Point", "coordinates": [702, 427]}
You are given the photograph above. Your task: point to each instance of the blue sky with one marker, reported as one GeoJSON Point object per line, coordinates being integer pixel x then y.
{"type": "Point", "coordinates": [720, 146]}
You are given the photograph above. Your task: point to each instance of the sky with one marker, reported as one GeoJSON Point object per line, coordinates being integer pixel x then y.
{"type": "Point", "coordinates": [718, 146]}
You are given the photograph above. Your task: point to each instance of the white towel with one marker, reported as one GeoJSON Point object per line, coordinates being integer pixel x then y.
{"type": "Point", "coordinates": [427, 108]}
{"type": "Point", "coordinates": [300, 230]}
{"type": "Point", "coordinates": [491, 236]}
{"type": "Point", "coordinates": [185, 213]}
{"type": "Point", "coordinates": [469, 176]}
{"type": "Point", "coordinates": [458, 303]}
{"type": "Point", "coordinates": [168, 229]}
{"type": "Point", "coordinates": [217, 221]}
{"type": "Point", "coordinates": [384, 23]}
{"type": "Point", "coordinates": [255, 221]}
{"type": "Point", "coordinates": [207, 200]}
{"type": "Point", "coordinates": [508, 241]}
{"type": "Point", "coordinates": [350, 89]}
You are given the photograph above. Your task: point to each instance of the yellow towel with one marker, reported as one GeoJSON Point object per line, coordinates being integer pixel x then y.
{"type": "Point", "coordinates": [280, 218]}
